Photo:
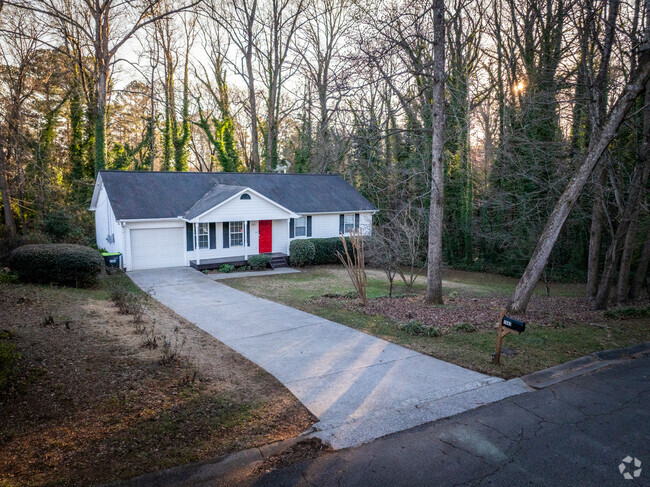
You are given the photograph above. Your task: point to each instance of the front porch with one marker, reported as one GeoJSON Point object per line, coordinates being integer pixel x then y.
{"type": "Point", "coordinates": [278, 259]}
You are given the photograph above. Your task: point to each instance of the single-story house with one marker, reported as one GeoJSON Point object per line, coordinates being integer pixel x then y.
{"type": "Point", "coordinates": [166, 219]}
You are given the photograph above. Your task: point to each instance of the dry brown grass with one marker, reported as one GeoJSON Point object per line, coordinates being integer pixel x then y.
{"type": "Point", "coordinates": [92, 405]}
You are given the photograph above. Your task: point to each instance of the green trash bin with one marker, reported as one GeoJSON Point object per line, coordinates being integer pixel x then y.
{"type": "Point", "coordinates": [112, 259]}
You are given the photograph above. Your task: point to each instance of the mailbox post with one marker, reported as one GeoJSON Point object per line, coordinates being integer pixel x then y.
{"type": "Point", "coordinates": [506, 325]}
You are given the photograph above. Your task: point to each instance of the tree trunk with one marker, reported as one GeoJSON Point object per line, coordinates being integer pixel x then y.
{"type": "Point", "coordinates": [598, 112]}
{"type": "Point", "coordinates": [103, 59]}
{"type": "Point", "coordinates": [596, 235]}
{"type": "Point", "coordinates": [607, 279]}
{"type": "Point", "coordinates": [626, 232]}
{"type": "Point", "coordinates": [524, 290]}
{"type": "Point", "coordinates": [644, 155]}
{"type": "Point", "coordinates": [434, 271]}
{"type": "Point", "coordinates": [641, 269]}
{"type": "Point", "coordinates": [626, 259]}
{"type": "Point", "coordinates": [10, 221]}
{"type": "Point", "coordinates": [152, 114]}
{"type": "Point", "coordinates": [255, 150]}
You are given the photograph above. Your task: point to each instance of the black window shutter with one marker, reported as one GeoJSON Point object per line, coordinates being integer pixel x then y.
{"type": "Point", "coordinates": [226, 235]}
{"type": "Point", "coordinates": [248, 233]}
{"type": "Point", "coordinates": [356, 221]}
{"type": "Point", "coordinates": [291, 228]}
{"type": "Point", "coordinates": [342, 224]}
{"type": "Point", "coordinates": [189, 234]}
{"type": "Point", "coordinates": [309, 225]}
{"type": "Point", "coordinates": [213, 235]}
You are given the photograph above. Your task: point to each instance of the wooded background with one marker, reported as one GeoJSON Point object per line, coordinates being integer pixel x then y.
{"type": "Point", "coordinates": [523, 91]}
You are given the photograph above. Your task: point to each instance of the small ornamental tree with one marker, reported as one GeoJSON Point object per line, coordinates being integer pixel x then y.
{"type": "Point", "coordinates": [383, 253]}
{"type": "Point", "coordinates": [353, 258]}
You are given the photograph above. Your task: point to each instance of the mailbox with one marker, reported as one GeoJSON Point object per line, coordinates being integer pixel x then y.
{"type": "Point", "coordinates": [513, 324]}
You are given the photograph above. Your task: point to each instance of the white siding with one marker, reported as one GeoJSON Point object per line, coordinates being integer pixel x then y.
{"type": "Point", "coordinates": [327, 225]}
{"type": "Point", "coordinates": [237, 209]}
{"type": "Point", "coordinates": [281, 236]}
{"type": "Point", "coordinates": [106, 224]}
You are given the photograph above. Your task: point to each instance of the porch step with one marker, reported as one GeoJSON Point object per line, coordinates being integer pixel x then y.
{"type": "Point", "coordinates": [278, 262]}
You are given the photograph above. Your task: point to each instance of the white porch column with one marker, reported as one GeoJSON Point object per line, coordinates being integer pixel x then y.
{"type": "Point", "coordinates": [196, 243]}
{"type": "Point", "coordinates": [245, 239]}
{"type": "Point", "coordinates": [288, 235]}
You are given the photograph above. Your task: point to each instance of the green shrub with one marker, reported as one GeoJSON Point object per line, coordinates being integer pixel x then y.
{"type": "Point", "coordinates": [8, 359]}
{"type": "Point", "coordinates": [464, 328]}
{"type": "Point", "coordinates": [7, 277]}
{"type": "Point", "coordinates": [302, 252]}
{"type": "Point", "coordinates": [259, 261]}
{"type": "Point", "coordinates": [59, 263]}
{"type": "Point", "coordinates": [415, 328]}
{"type": "Point", "coordinates": [325, 250]}
{"type": "Point", "coordinates": [227, 268]}
{"type": "Point", "coordinates": [628, 312]}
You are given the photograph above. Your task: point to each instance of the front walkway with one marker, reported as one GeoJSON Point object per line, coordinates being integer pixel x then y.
{"type": "Point", "coordinates": [360, 387]}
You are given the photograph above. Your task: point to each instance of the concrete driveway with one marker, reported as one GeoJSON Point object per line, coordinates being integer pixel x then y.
{"type": "Point", "coordinates": [360, 387]}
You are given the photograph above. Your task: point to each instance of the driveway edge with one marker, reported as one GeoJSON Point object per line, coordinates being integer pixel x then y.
{"type": "Point", "coordinates": [223, 470]}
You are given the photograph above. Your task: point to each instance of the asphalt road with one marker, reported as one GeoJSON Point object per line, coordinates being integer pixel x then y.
{"type": "Point", "coordinates": [573, 433]}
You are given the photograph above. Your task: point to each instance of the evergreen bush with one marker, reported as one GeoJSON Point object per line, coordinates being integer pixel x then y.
{"type": "Point", "coordinates": [65, 264]}
{"type": "Point", "coordinates": [259, 261]}
{"type": "Point", "coordinates": [302, 252]}
{"type": "Point", "coordinates": [325, 250]}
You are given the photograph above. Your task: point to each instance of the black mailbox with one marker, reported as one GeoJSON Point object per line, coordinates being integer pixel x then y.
{"type": "Point", "coordinates": [513, 324]}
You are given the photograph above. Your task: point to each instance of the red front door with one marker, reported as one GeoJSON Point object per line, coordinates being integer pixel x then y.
{"type": "Point", "coordinates": [266, 236]}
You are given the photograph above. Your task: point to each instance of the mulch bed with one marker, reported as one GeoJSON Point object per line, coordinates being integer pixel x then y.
{"type": "Point", "coordinates": [480, 312]}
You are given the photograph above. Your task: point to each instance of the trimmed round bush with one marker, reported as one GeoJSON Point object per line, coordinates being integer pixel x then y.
{"type": "Point", "coordinates": [259, 261]}
{"type": "Point", "coordinates": [302, 252]}
{"type": "Point", "coordinates": [65, 264]}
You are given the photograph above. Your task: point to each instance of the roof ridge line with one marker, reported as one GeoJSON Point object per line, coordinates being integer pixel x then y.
{"type": "Point", "coordinates": [217, 173]}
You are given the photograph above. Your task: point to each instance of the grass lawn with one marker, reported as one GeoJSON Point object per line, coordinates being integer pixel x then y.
{"type": "Point", "coordinates": [90, 404]}
{"type": "Point", "coordinates": [559, 328]}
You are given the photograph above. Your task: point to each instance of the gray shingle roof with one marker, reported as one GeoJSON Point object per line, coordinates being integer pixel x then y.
{"type": "Point", "coordinates": [140, 195]}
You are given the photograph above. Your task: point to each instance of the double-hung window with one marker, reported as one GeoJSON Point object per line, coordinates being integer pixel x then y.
{"type": "Point", "coordinates": [348, 223]}
{"type": "Point", "coordinates": [203, 235]}
{"type": "Point", "coordinates": [236, 234]}
{"type": "Point", "coordinates": [300, 226]}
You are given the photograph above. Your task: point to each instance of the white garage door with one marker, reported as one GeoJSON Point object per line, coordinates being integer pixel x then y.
{"type": "Point", "coordinates": [157, 247]}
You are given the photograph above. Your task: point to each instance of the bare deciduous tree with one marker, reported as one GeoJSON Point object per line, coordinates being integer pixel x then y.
{"type": "Point", "coordinates": [635, 86]}
{"type": "Point", "coordinates": [104, 27]}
